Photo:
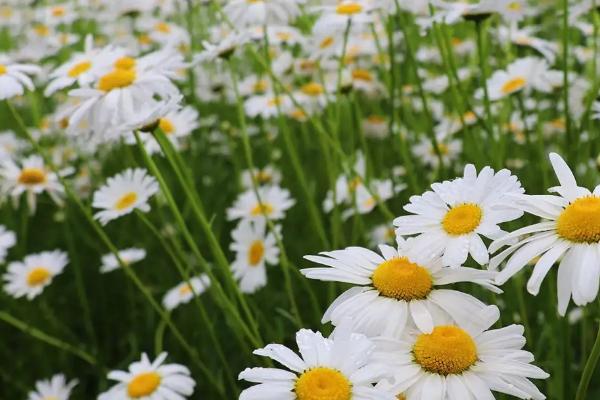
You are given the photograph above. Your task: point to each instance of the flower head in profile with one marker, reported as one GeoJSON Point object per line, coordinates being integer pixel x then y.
{"type": "Point", "coordinates": [55, 388]}
{"type": "Point", "coordinates": [124, 193]}
{"type": "Point", "coordinates": [340, 367]}
{"type": "Point", "coordinates": [154, 380]}
{"type": "Point", "coordinates": [274, 202]}
{"type": "Point", "coordinates": [127, 256]}
{"type": "Point", "coordinates": [7, 240]}
{"type": "Point", "coordinates": [30, 277]}
{"type": "Point", "coordinates": [14, 78]}
{"type": "Point", "coordinates": [450, 220]}
{"type": "Point", "coordinates": [185, 291]}
{"type": "Point", "coordinates": [570, 228]}
{"type": "Point", "coordinates": [244, 13]}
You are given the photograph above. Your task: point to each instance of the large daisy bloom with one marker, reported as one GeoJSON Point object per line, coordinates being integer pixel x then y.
{"type": "Point", "coordinates": [451, 219]}
{"type": "Point", "coordinates": [462, 362]}
{"type": "Point", "coordinates": [274, 202]}
{"type": "Point", "coordinates": [396, 290]}
{"type": "Point", "coordinates": [127, 256]}
{"type": "Point", "coordinates": [14, 78]}
{"type": "Point", "coordinates": [254, 248]}
{"type": "Point", "coordinates": [570, 229]}
{"type": "Point", "coordinates": [30, 277]}
{"type": "Point", "coordinates": [7, 240]}
{"type": "Point", "coordinates": [184, 292]}
{"type": "Point", "coordinates": [339, 368]}
{"type": "Point", "coordinates": [151, 380]}
{"type": "Point", "coordinates": [55, 388]}
{"type": "Point", "coordinates": [124, 193]}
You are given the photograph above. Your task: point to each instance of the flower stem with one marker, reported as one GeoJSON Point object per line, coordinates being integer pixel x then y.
{"type": "Point", "coordinates": [588, 370]}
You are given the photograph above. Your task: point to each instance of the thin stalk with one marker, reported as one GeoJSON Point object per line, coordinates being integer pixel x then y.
{"type": "Point", "coordinates": [588, 370]}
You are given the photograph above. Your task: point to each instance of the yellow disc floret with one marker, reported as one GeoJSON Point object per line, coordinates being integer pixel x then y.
{"type": "Point", "coordinates": [118, 78]}
{"type": "Point", "coordinates": [3, 69]}
{"type": "Point", "coordinates": [349, 8]}
{"type": "Point", "coordinates": [256, 253]}
{"type": "Point", "coordinates": [32, 176]}
{"type": "Point", "coordinates": [79, 69]}
{"type": "Point", "coordinates": [401, 279]}
{"type": "Point", "coordinates": [323, 384]}
{"type": "Point", "coordinates": [445, 351]}
{"type": "Point", "coordinates": [143, 384]}
{"type": "Point", "coordinates": [261, 209]}
{"type": "Point", "coordinates": [462, 219]}
{"type": "Point", "coordinates": [513, 85]}
{"type": "Point", "coordinates": [38, 276]}
{"type": "Point", "coordinates": [126, 201]}
{"type": "Point", "coordinates": [580, 221]}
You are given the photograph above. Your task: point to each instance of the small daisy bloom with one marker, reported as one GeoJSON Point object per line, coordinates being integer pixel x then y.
{"type": "Point", "coordinates": [151, 380]}
{"type": "Point", "coordinates": [336, 17]}
{"type": "Point", "coordinates": [55, 388]}
{"type": "Point", "coordinates": [570, 229]}
{"type": "Point", "coordinates": [253, 248]}
{"type": "Point", "coordinates": [465, 362]}
{"type": "Point", "coordinates": [13, 77]}
{"type": "Point", "coordinates": [274, 202]}
{"type": "Point", "coordinates": [339, 368]}
{"type": "Point", "coordinates": [449, 220]}
{"type": "Point", "coordinates": [128, 256]}
{"type": "Point", "coordinates": [395, 290]}
{"type": "Point", "coordinates": [261, 176]}
{"type": "Point", "coordinates": [124, 193]}
{"type": "Point", "coordinates": [184, 292]}
{"type": "Point", "coordinates": [261, 12]}
{"type": "Point", "coordinates": [7, 240]}
{"type": "Point", "coordinates": [30, 276]}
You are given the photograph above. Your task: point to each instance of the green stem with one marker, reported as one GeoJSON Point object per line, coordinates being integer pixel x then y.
{"type": "Point", "coordinates": [588, 370]}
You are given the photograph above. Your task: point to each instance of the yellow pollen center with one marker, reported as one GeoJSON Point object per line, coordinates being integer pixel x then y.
{"type": "Point", "coordinates": [375, 119]}
{"type": "Point", "coordinates": [515, 6]}
{"type": "Point", "coordinates": [58, 11]}
{"type": "Point", "coordinates": [79, 69]}
{"type": "Point", "coordinates": [2, 69]}
{"type": "Point", "coordinates": [580, 221]}
{"type": "Point", "coordinates": [32, 176]}
{"type": "Point", "coordinates": [263, 177]}
{"type": "Point", "coordinates": [273, 102]}
{"type": "Point", "coordinates": [185, 290]}
{"type": "Point", "coordinates": [328, 41]}
{"type": "Point", "coordinates": [256, 252]}
{"type": "Point", "coordinates": [143, 384]}
{"type": "Point", "coordinates": [126, 201]}
{"type": "Point", "coordinates": [445, 351]}
{"type": "Point", "coordinates": [125, 63]}
{"type": "Point", "coordinates": [401, 279]}
{"type": "Point", "coordinates": [260, 86]}
{"type": "Point", "coordinates": [362, 75]}
{"type": "Point", "coordinates": [118, 78]}
{"type": "Point", "coordinates": [162, 27]}
{"type": "Point", "coordinates": [312, 89]}
{"type": "Point", "coordinates": [38, 276]}
{"type": "Point", "coordinates": [166, 126]}
{"type": "Point", "coordinates": [323, 383]}
{"type": "Point", "coordinates": [6, 12]}
{"type": "Point", "coordinates": [349, 8]}
{"type": "Point", "coordinates": [513, 85]}
{"type": "Point", "coordinates": [41, 30]}
{"type": "Point", "coordinates": [261, 209]}
{"type": "Point", "coordinates": [283, 36]}
{"type": "Point", "coordinates": [462, 218]}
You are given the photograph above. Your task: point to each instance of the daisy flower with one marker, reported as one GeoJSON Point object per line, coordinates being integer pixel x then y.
{"type": "Point", "coordinates": [339, 367]}
{"type": "Point", "coordinates": [395, 290]}
{"type": "Point", "coordinates": [337, 16]}
{"type": "Point", "coordinates": [30, 276]}
{"type": "Point", "coordinates": [55, 388]}
{"type": "Point", "coordinates": [274, 202]}
{"type": "Point", "coordinates": [267, 105]}
{"type": "Point", "coordinates": [184, 292]}
{"type": "Point", "coordinates": [32, 178]}
{"type": "Point", "coordinates": [223, 49]}
{"type": "Point", "coordinates": [570, 229]}
{"type": "Point", "coordinates": [13, 77]}
{"type": "Point", "coordinates": [466, 362]}
{"type": "Point", "coordinates": [128, 256]}
{"type": "Point", "coordinates": [449, 148]}
{"type": "Point", "coordinates": [151, 380]}
{"type": "Point", "coordinates": [124, 193]}
{"type": "Point", "coordinates": [449, 220]}
{"type": "Point", "coordinates": [254, 248]}
{"type": "Point", "coordinates": [262, 176]}
{"type": "Point", "coordinates": [7, 240]}
{"type": "Point", "coordinates": [261, 12]}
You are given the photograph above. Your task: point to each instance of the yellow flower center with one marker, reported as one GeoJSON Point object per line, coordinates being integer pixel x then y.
{"type": "Point", "coordinates": [312, 89]}
{"type": "Point", "coordinates": [58, 11]}
{"type": "Point", "coordinates": [126, 201]}
{"type": "Point", "coordinates": [162, 27]}
{"type": "Point", "coordinates": [273, 102]}
{"type": "Point", "coordinates": [118, 78]}
{"type": "Point", "coordinates": [445, 351]}
{"type": "Point", "coordinates": [143, 384]}
{"type": "Point", "coordinates": [38, 276]}
{"type": "Point", "coordinates": [558, 123]}
{"type": "Point", "coordinates": [79, 69]}
{"type": "Point", "coordinates": [263, 177]}
{"type": "Point", "coordinates": [144, 39]}
{"type": "Point", "coordinates": [260, 86]}
{"type": "Point", "coordinates": [283, 36]}
{"type": "Point", "coordinates": [185, 290]}
{"type": "Point", "coordinates": [401, 279]}
{"type": "Point", "coordinates": [349, 8]}
{"type": "Point", "coordinates": [580, 221]}
{"type": "Point", "coordinates": [32, 176]}
{"type": "Point", "coordinates": [515, 6]}
{"type": "Point", "coordinates": [362, 75]}
{"type": "Point", "coordinates": [256, 252]}
{"type": "Point", "coordinates": [513, 85]}
{"type": "Point", "coordinates": [456, 41]}
{"type": "Point", "coordinates": [325, 43]}
{"type": "Point", "coordinates": [462, 218]}
{"type": "Point", "coordinates": [41, 30]}
{"type": "Point", "coordinates": [261, 209]}
{"type": "Point", "coordinates": [6, 12]}
{"type": "Point", "coordinates": [375, 119]}
{"type": "Point", "coordinates": [125, 63]}
{"type": "Point", "coordinates": [323, 383]}
{"type": "Point", "coordinates": [2, 69]}
{"type": "Point", "coordinates": [166, 126]}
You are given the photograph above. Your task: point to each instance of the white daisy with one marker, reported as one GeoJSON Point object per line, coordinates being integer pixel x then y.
{"type": "Point", "coordinates": [184, 292]}
{"type": "Point", "coordinates": [151, 380]}
{"type": "Point", "coordinates": [262, 176]}
{"type": "Point", "coordinates": [449, 220]}
{"type": "Point", "coordinates": [55, 388]}
{"type": "Point", "coordinates": [339, 368]}
{"type": "Point", "coordinates": [243, 13]}
{"type": "Point", "coordinates": [30, 276]}
{"type": "Point", "coordinates": [128, 256]}
{"type": "Point", "coordinates": [254, 248]}
{"type": "Point", "coordinates": [7, 240]}
{"type": "Point", "coordinates": [570, 229]}
{"type": "Point", "coordinates": [274, 202]}
{"type": "Point", "coordinates": [335, 18]}
{"type": "Point", "coordinates": [462, 362]}
{"type": "Point", "coordinates": [13, 77]}
{"type": "Point", "coordinates": [123, 193]}
{"type": "Point", "coordinates": [267, 105]}
{"type": "Point", "coordinates": [395, 291]}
